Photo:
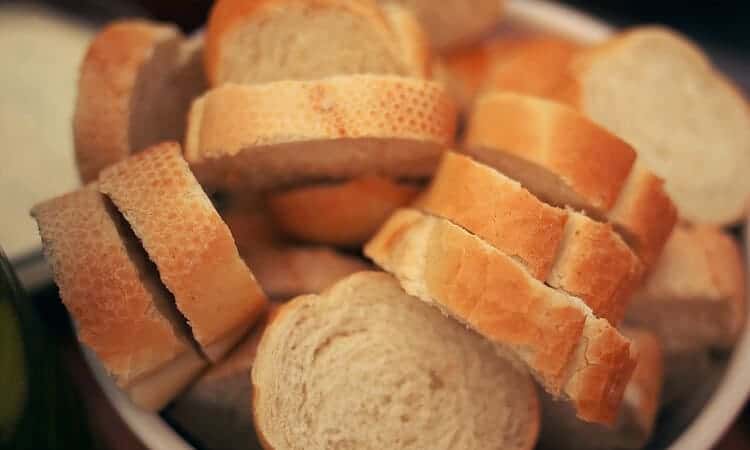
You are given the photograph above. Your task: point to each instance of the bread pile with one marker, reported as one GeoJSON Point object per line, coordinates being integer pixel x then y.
{"type": "Point", "coordinates": [558, 240]}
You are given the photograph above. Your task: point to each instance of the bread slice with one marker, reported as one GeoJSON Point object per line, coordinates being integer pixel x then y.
{"type": "Point", "coordinates": [366, 366]}
{"type": "Point", "coordinates": [343, 214]}
{"type": "Point", "coordinates": [135, 87]}
{"type": "Point", "coordinates": [451, 23]}
{"type": "Point", "coordinates": [113, 293]}
{"type": "Point", "coordinates": [412, 39]}
{"type": "Point", "coordinates": [189, 243]}
{"type": "Point", "coordinates": [567, 160]}
{"type": "Point", "coordinates": [564, 248]}
{"type": "Point", "coordinates": [272, 40]}
{"type": "Point", "coordinates": [570, 352]}
{"type": "Point", "coordinates": [695, 297]}
{"type": "Point", "coordinates": [637, 416]}
{"type": "Point", "coordinates": [293, 132]}
{"type": "Point", "coordinates": [654, 88]}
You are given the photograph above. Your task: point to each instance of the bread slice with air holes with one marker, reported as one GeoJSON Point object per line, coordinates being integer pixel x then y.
{"type": "Point", "coordinates": [366, 366]}
{"type": "Point", "coordinates": [413, 41]}
{"type": "Point", "coordinates": [272, 40]}
{"type": "Point", "coordinates": [567, 160]}
{"type": "Point", "coordinates": [637, 416]}
{"type": "Point", "coordinates": [113, 294]}
{"type": "Point", "coordinates": [344, 214]}
{"type": "Point", "coordinates": [564, 248]}
{"type": "Point", "coordinates": [654, 88]}
{"type": "Point", "coordinates": [135, 87]}
{"type": "Point", "coordinates": [572, 353]}
{"type": "Point", "coordinates": [191, 246]}
{"type": "Point", "coordinates": [452, 23]}
{"type": "Point", "coordinates": [243, 137]}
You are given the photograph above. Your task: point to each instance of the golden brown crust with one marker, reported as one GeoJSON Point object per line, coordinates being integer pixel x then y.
{"type": "Point", "coordinates": [341, 214]}
{"type": "Point", "coordinates": [589, 160]}
{"type": "Point", "coordinates": [190, 244]}
{"type": "Point", "coordinates": [108, 76]}
{"type": "Point", "coordinates": [107, 285]}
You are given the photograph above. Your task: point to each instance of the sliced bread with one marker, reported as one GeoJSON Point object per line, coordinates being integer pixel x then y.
{"type": "Point", "coordinates": [135, 87]}
{"type": "Point", "coordinates": [366, 366]}
{"type": "Point", "coordinates": [292, 132]}
{"type": "Point", "coordinates": [564, 248]}
{"type": "Point", "coordinates": [451, 23]}
{"type": "Point", "coordinates": [121, 310]}
{"type": "Point", "coordinates": [567, 160]}
{"type": "Point", "coordinates": [411, 38]}
{"type": "Point", "coordinates": [343, 214]}
{"type": "Point", "coordinates": [271, 40]}
{"type": "Point", "coordinates": [571, 353]}
{"type": "Point", "coordinates": [191, 246]}
{"type": "Point", "coordinates": [654, 88]}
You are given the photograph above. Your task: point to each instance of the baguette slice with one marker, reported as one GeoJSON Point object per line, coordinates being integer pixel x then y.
{"type": "Point", "coordinates": [293, 132]}
{"type": "Point", "coordinates": [565, 249]}
{"type": "Point", "coordinates": [691, 125]}
{"type": "Point", "coordinates": [113, 294]}
{"type": "Point", "coordinates": [412, 39]}
{"type": "Point", "coordinates": [366, 366]}
{"type": "Point", "coordinates": [135, 87]}
{"type": "Point", "coordinates": [637, 416]}
{"type": "Point", "coordinates": [694, 299]}
{"type": "Point", "coordinates": [270, 40]}
{"type": "Point", "coordinates": [451, 23]}
{"type": "Point", "coordinates": [191, 246]}
{"type": "Point", "coordinates": [341, 214]}
{"type": "Point", "coordinates": [567, 160]}
{"type": "Point", "coordinates": [570, 352]}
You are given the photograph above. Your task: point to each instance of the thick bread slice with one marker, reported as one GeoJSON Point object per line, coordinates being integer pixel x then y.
{"type": "Point", "coordinates": [654, 88]}
{"type": "Point", "coordinates": [566, 249]}
{"type": "Point", "coordinates": [190, 244]}
{"type": "Point", "coordinates": [572, 353]}
{"type": "Point", "coordinates": [135, 87]}
{"type": "Point", "coordinates": [270, 40]}
{"type": "Point", "coordinates": [637, 416]}
{"type": "Point", "coordinates": [567, 160]}
{"type": "Point", "coordinates": [412, 39]}
{"type": "Point", "coordinates": [451, 23]}
{"type": "Point", "coordinates": [113, 293]}
{"type": "Point", "coordinates": [366, 366]}
{"type": "Point", "coordinates": [292, 132]}
{"type": "Point", "coordinates": [694, 299]}
{"type": "Point", "coordinates": [341, 214]}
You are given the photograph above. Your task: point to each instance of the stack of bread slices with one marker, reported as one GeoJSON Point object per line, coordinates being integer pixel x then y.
{"type": "Point", "coordinates": [318, 133]}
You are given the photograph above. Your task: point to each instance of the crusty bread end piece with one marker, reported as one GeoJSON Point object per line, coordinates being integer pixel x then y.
{"type": "Point", "coordinates": [366, 366]}
{"type": "Point", "coordinates": [191, 246]}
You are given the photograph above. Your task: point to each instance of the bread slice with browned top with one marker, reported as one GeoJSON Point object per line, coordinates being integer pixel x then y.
{"type": "Point", "coordinates": [564, 248]}
{"type": "Point", "coordinates": [135, 87]}
{"type": "Point", "coordinates": [270, 40]}
{"type": "Point", "coordinates": [657, 90]}
{"type": "Point", "coordinates": [366, 366]}
{"type": "Point", "coordinates": [113, 294]}
{"type": "Point", "coordinates": [291, 132]}
{"type": "Point", "coordinates": [571, 352]}
{"type": "Point", "coordinates": [191, 246]}
{"type": "Point", "coordinates": [567, 160]}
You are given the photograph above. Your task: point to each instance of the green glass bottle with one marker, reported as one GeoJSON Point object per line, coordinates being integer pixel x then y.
{"type": "Point", "coordinates": [39, 406]}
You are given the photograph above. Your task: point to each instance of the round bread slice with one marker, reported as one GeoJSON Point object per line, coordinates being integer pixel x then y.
{"type": "Point", "coordinates": [113, 294]}
{"type": "Point", "coordinates": [135, 87]}
{"type": "Point", "coordinates": [566, 249]}
{"type": "Point", "coordinates": [191, 246]}
{"type": "Point", "coordinates": [340, 214]}
{"type": "Point", "coordinates": [366, 366]}
{"type": "Point", "coordinates": [567, 160]}
{"type": "Point", "coordinates": [572, 353]}
{"type": "Point", "coordinates": [654, 88]}
{"type": "Point", "coordinates": [294, 132]}
{"type": "Point", "coordinates": [270, 40]}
